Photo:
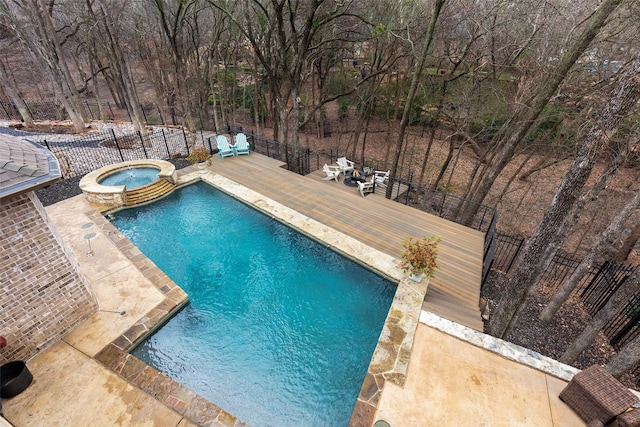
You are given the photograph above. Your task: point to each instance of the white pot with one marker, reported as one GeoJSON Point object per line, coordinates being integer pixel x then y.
{"type": "Point", "coordinates": [416, 277]}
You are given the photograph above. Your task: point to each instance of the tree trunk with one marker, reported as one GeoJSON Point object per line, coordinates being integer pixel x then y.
{"type": "Point", "coordinates": [96, 88]}
{"type": "Point", "coordinates": [628, 244]}
{"type": "Point", "coordinates": [605, 243]}
{"type": "Point", "coordinates": [406, 112]}
{"type": "Point", "coordinates": [512, 178]}
{"type": "Point", "coordinates": [282, 129]}
{"type": "Point", "coordinates": [256, 99]}
{"type": "Point", "coordinates": [602, 317]}
{"type": "Point", "coordinates": [541, 247]}
{"type": "Point", "coordinates": [52, 53]}
{"type": "Point", "coordinates": [525, 117]}
{"type": "Point", "coordinates": [427, 154]}
{"type": "Point", "coordinates": [626, 359]}
{"type": "Point", "coordinates": [59, 64]}
{"type": "Point", "coordinates": [118, 66]}
{"type": "Point", "coordinates": [295, 130]}
{"type": "Point", "coordinates": [445, 164]}
{"type": "Point", "coordinates": [13, 95]}
{"type": "Point", "coordinates": [44, 53]}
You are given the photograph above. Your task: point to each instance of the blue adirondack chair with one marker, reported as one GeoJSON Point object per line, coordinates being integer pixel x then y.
{"type": "Point", "coordinates": [242, 146]}
{"type": "Point", "coordinates": [224, 149]}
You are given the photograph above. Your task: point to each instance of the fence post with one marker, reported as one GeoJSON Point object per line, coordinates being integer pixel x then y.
{"type": "Point", "coordinates": [164, 137]}
{"type": "Point", "coordinates": [113, 134]}
{"type": "Point", "coordinates": [186, 143]}
{"type": "Point", "coordinates": [29, 110]}
{"type": "Point", "coordinates": [160, 115]}
{"type": "Point", "coordinates": [89, 109]}
{"type": "Point", "coordinates": [47, 144]}
{"type": "Point", "coordinates": [444, 199]}
{"type": "Point", "coordinates": [113, 116]}
{"type": "Point", "coordinates": [515, 255]}
{"type": "Point", "coordinates": [142, 142]}
{"type": "Point", "coordinates": [406, 198]}
{"type": "Point", "coordinates": [143, 115]}
{"type": "Point", "coordinates": [5, 110]}
{"type": "Point", "coordinates": [625, 330]}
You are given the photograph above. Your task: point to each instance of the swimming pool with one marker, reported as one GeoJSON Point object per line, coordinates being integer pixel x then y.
{"type": "Point", "coordinates": [274, 344]}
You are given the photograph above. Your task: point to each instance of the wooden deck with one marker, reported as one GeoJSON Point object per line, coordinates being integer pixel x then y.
{"type": "Point", "coordinates": [454, 291]}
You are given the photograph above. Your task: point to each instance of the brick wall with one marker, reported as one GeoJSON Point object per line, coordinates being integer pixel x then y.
{"type": "Point", "coordinates": [42, 296]}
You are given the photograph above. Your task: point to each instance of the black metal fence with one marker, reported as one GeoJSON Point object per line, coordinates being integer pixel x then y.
{"type": "Point", "coordinates": [153, 114]}
{"type": "Point", "coordinates": [507, 250]}
{"type": "Point", "coordinates": [625, 326]}
{"type": "Point", "coordinates": [38, 110]}
{"type": "Point", "coordinates": [445, 206]}
{"type": "Point", "coordinates": [78, 156]}
{"type": "Point", "coordinates": [594, 289]}
{"type": "Point", "coordinates": [606, 280]}
{"type": "Point", "coordinates": [560, 269]}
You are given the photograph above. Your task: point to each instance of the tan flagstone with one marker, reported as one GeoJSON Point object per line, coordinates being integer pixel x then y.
{"type": "Point", "coordinates": [453, 383]}
{"type": "Point", "coordinates": [70, 389]}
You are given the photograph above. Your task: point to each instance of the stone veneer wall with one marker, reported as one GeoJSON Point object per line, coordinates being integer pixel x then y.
{"type": "Point", "coordinates": [42, 296]}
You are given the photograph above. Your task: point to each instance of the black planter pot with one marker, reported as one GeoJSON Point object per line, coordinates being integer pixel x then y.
{"type": "Point", "coordinates": [14, 378]}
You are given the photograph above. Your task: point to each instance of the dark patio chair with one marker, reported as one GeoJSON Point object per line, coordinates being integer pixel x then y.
{"type": "Point", "coordinates": [595, 395]}
{"type": "Point", "coordinates": [630, 418]}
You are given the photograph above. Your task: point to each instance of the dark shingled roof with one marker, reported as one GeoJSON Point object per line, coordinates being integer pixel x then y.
{"type": "Point", "coordinates": [25, 166]}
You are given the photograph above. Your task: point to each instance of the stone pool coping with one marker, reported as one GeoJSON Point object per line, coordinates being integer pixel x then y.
{"type": "Point", "coordinates": [390, 359]}
{"type": "Point", "coordinates": [113, 195]}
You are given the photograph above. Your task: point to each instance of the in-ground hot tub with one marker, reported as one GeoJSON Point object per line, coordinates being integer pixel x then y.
{"type": "Point", "coordinates": [111, 185]}
{"type": "Point", "coordinates": [130, 177]}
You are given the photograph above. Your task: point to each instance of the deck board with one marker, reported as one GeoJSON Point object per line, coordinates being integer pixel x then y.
{"type": "Point", "coordinates": [454, 291]}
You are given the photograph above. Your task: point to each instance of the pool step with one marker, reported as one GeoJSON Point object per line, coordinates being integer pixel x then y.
{"type": "Point", "coordinates": [148, 193]}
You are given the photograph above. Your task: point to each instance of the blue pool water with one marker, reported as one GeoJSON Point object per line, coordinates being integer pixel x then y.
{"type": "Point", "coordinates": [131, 177]}
{"type": "Point", "coordinates": [279, 331]}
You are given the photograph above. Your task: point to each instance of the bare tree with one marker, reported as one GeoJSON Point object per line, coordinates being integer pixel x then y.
{"type": "Point", "coordinates": [112, 47]}
{"type": "Point", "coordinates": [626, 359]}
{"type": "Point", "coordinates": [187, 38]}
{"type": "Point", "coordinates": [605, 243]}
{"type": "Point", "coordinates": [14, 96]}
{"type": "Point", "coordinates": [286, 37]}
{"type": "Point", "coordinates": [602, 317]}
{"type": "Point", "coordinates": [524, 117]}
{"type": "Point", "coordinates": [41, 38]}
{"type": "Point", "coordinates": [419, 67]}
{"type": "Point", "coordinates": [629, 242]}
{"type": "Point", "coordinates": [541, 247]}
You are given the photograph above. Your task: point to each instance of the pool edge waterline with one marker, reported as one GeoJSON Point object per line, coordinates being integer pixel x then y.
{"type": "Point", "coordinates": [390, 357]}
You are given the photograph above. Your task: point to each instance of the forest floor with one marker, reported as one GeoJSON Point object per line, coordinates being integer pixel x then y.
{"type": "Point", "coordinates": [520, 208]}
